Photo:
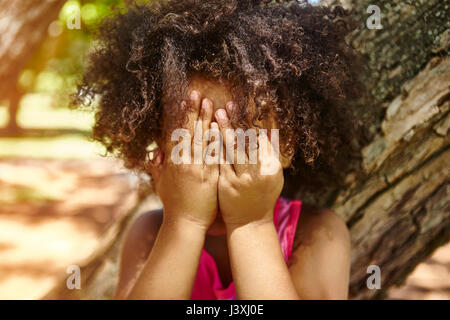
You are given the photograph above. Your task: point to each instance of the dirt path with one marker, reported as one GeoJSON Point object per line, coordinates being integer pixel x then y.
{"type": "Point", "coordinates": [430, 279]}
{"type": "Point", "coordinates": [52, 214]}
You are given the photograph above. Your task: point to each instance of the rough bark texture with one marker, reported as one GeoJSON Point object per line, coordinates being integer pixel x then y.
{"type": "Point", "coordinates": [23, 26]}
{"type": "Point", "coordinates": [399, 210]}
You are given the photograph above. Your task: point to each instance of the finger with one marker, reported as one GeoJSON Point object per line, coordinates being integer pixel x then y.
{"type": "Point", "coordinates": [235, 142]}
{"type": "Point", "coordinates": [229, 107]}
{"type": "Point", "coordinates": [197, 142]}
{"type": "Point", "coordinates": [242, 155]}
{"type": "Point", "coordinates": [269, 160]}
{"type": "Point", "coordinates": [228, 139]}
{"type": "Point", "coordinates": [193, 125]}
{"type": "Point", "coordinates": [191, 107]}
{"type": "Point", "coordinates": [225, 129]}
{"type": "Point", "coordinates": [193, 110]}
{"type": "Point", "coordinates": [206, 117]}
{"type": "Point", "coordinates": [213, 149]}
{"type": "Point", "coordinates": [252, 148]}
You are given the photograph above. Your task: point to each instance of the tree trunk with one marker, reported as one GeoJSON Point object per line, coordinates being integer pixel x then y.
{"type": "Point", "coordinates": [14, 96]}
{"type": "Point", "coordinates": [399, 211]}
{"type": "Point", "coordinates": [23, 27]}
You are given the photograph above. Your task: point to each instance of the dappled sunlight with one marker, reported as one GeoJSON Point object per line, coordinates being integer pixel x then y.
{"type": "Point", "coordinates": [36, 107]}
{"type": "Point", "coordinates": [39, 254]}
{"type": "Point", "coordinates": [25, 287]}
{"type": "Point", "coordinates": [53, 214]}
{"type": "Point", "coordinates": [52, 240]}
{"type": "Point", "coordinates": [430, 279]}
{"type": "Point", "coordinates": [63, 147]}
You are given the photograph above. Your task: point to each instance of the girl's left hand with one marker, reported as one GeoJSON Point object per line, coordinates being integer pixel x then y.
{"type": "Point", "coordinates": [247, 195]}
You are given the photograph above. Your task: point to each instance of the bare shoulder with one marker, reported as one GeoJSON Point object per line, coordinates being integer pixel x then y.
{"type": "Point", "coordinates": [321, 225]}
{"type": "Point", "coordinates": [136, 247]}
{"type": "Point", "coordinates": [145, 227]}
{"type": "Point", "coordinates": [140, 237]}
{"type": "Point", "coordinates": [320, 261]}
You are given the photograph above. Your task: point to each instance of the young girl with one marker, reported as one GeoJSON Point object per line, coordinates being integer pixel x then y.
{"type": "Point", "coordinates": [224, 231]}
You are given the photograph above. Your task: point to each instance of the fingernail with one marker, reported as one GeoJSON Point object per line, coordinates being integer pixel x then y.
{"type": "Point", "coordinates": [194, 95]}
{"type": "Point", "coordinates": [156, 157]}
{"type": "Point", "coordinates": [221, 114]}
{"type": "Point", "coordinates": [230, 106]}
{"type": "Point", "coordinates": [159, 157]}
{"type": "Point", "coordinates": [205, 104]}
{"type": "Point", "coordinates": [214, 125]}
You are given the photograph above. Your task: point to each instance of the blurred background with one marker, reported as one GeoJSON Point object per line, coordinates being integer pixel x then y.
{"type": "Point", "coordinates": [59, 193]}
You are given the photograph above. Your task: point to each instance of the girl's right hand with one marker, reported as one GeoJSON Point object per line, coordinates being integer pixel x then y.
{"type": "Point", "coordinates": [188, 192]}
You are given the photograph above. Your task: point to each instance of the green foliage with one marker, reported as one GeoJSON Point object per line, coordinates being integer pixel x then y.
{"type": "Point", "coordinates": [57, 65]}
{"type": "Point", "coordinates": [47, 82]}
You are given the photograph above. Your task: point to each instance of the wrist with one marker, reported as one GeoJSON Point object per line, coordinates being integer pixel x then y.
{"type": "Point", "coordinates": [253, 224]}
{"type": "Point", "coordinates": [183, 224]}
{"type": "Point", "coordinates": [258, 231]}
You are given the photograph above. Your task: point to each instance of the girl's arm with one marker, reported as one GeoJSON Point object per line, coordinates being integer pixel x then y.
{"type": "Point", "coordinates": [319, 266]}
{"type": "Point", "coordinates": [257, 263]}
{"type": "Point", "coordinates": [188, 193]}
{"type": "Point", "coordinates": [135, 250]}
{"type": "Point", "coordinates": [170, 270]}
{"type": "Point", "coordinates": [320, 261]}
{"type": "Point", "coordinates": [247, 199]}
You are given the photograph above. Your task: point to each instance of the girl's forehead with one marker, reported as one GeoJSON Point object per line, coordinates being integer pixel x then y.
{"type": "Point", "coordinates": [219, 93]}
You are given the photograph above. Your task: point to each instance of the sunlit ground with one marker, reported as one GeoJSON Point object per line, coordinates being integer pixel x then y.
{"type": "Point", "coordinates": [430, 279]}
{"type": "Point", "coordinates": [58, 196]}
{"type": "Point", "coordinates": [52, 215]}
{"type": "Point", "coordinates": [36, 112]}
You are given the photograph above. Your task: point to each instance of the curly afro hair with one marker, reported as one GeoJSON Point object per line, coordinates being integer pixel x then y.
{"type": "Point", "coordinates": [291, 58]}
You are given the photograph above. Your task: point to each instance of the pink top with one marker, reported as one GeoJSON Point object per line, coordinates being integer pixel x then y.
{"type": "Point", "coordinates": [207, 284]}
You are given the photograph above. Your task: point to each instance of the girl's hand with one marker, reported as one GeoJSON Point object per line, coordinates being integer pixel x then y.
{"type": "Point", "coordinates": [188, 192]}
{"type": "Point", "coordinates": [246, 193]}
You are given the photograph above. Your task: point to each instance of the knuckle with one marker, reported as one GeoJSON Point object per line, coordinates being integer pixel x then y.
{"type": "Point", "coordinates": [246, 179]}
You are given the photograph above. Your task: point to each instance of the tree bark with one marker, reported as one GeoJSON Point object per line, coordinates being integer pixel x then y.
{"type": "Point", "coordinates": [23, 27]}
{"type": "Point", "coordinates": [398, 212]}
